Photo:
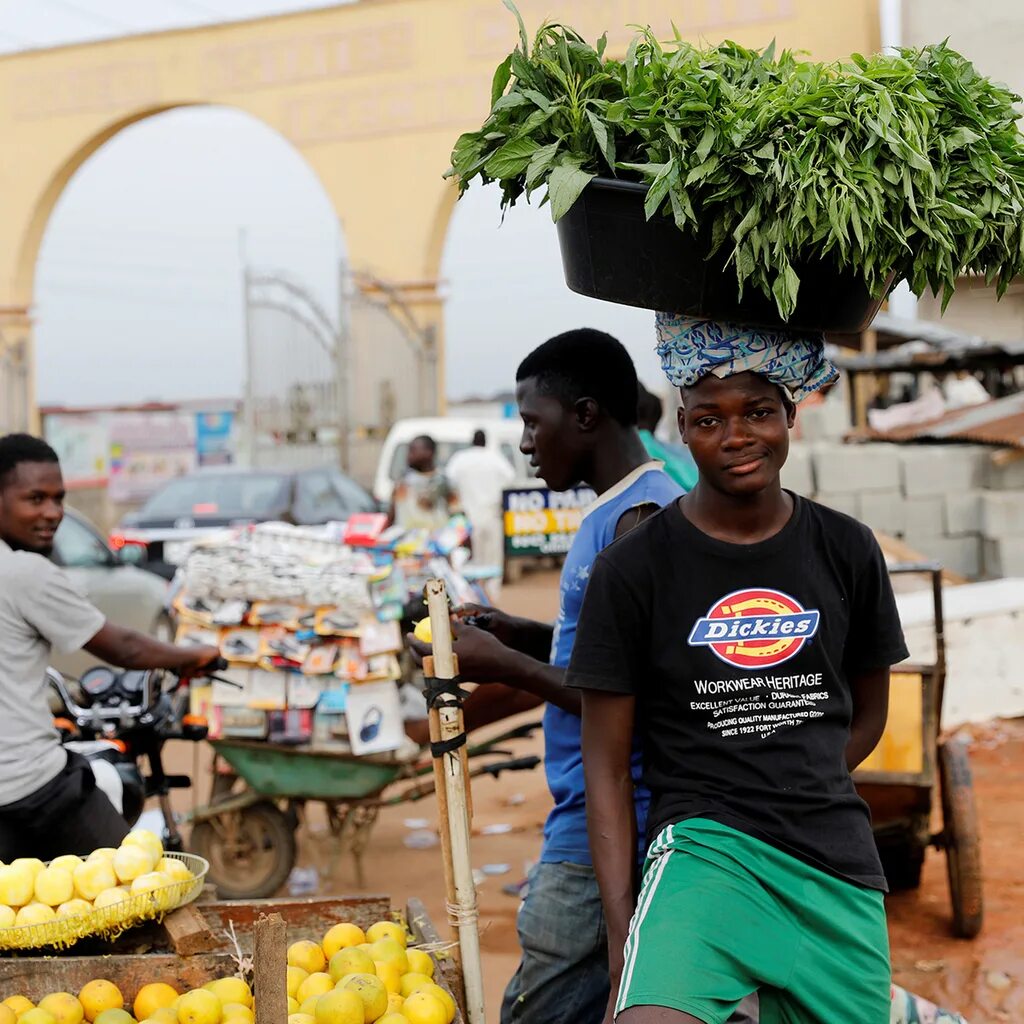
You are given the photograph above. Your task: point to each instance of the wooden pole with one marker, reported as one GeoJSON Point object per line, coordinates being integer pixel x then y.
{"type": "Point", "coordinates": [449, 711]}
{"type": "Point", "coordinates": [270, 969]}
{"type": "Point", "coordinates": [441, 791]}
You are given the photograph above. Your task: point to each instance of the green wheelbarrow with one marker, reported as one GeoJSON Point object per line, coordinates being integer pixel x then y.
{"type": "Point", "coordinates": [247, 830]}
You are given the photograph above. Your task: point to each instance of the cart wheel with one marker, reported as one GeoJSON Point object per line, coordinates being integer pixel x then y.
{"type": "Point", "coordinates": [961, 839]}
{"type": "Point", "coordinates": [251, 852]}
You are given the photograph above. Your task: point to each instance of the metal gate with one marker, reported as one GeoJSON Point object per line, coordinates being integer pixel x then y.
{"type": "Point", "coordinates": [319, 391]}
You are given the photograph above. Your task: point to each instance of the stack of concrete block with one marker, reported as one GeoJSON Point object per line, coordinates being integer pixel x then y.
{"type": "Point", "coordinates": [947, 501]}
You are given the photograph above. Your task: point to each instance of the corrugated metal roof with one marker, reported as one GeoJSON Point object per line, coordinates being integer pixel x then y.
{"type": "Point", "coordinates": [1000, 422]}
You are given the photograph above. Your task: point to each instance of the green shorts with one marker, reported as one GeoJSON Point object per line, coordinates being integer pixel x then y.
{"type": "Point", "coordinates": [721, 914]}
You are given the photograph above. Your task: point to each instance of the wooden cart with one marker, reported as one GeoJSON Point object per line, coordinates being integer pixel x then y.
{"type": "Point", "coordinates": [193, 946]}
{"type": "Point", "coordinates": [913, 764]}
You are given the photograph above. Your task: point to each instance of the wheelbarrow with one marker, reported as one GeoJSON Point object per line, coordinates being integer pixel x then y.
{"type": "Point", "coordinates": [247, 831]}
{"type": "Point", "coordinates": [910, 766]}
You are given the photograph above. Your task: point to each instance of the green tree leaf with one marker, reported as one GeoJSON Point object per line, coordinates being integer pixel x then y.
{"type": "Point", "coordinates": [511, 159]}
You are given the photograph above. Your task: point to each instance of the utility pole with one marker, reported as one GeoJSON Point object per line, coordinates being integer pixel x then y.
{"type": "Point", "coordinates": [249, 399]}
{"type": "Point", "coordinates": [343, 360]}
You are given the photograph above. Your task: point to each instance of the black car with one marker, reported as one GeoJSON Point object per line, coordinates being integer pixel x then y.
{"type": "Point", "coordinates": [198, 504]}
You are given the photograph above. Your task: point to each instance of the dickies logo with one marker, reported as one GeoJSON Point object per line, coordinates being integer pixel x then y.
{"type": "Point", "coordinates": [755, 628]}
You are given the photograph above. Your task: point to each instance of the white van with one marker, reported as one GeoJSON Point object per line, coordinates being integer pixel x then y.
{"type": "Point", "coordinates": [451, 434]}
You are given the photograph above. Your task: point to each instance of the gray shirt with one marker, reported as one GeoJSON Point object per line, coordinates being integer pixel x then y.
{"type": "Point", "coordinates": [40, 609]}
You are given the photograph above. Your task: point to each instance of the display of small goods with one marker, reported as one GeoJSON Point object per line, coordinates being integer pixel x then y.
{"type": "Point", "coordinates": [308, 620]}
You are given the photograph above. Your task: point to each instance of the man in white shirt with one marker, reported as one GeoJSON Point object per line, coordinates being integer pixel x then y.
{"type": "Point", "coordinates": [49, 803]}
{"type": "Point", "coordinates": [479, 475]}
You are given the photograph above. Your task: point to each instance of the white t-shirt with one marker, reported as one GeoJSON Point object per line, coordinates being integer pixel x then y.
{"type": "Point", "coordinates": [40, 609]}
{"type": "Point", "coordinates": [480, 475]}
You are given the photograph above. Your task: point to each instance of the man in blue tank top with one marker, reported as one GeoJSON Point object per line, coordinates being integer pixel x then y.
{"type": "Point", "coordinates": [577, 395]}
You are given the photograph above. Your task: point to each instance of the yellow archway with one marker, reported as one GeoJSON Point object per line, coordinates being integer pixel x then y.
{"type": "Point", "coordinates": [372, 94]}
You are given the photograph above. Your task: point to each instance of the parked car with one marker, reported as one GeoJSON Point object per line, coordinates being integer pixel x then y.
{"type": "Point", "coordinates": [202, 503]}
{"type": "Point", "coordinates": [451, 433]}
{"type": "Point", "coordinates": [125, 593]}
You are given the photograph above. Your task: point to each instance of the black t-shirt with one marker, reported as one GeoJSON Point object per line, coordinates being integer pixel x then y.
{"type": "Point", "coordinates": [739, 657]}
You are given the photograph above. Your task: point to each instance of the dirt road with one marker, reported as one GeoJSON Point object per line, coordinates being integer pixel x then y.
{"type": "Point", "coordinates": [983, 979]}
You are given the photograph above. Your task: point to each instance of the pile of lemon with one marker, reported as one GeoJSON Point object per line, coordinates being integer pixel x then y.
{"type": "Point", "coordinates": [226, 1001]}
{"type": "Point", "coordinates": [353, 977]}
{"type": "Point", "coordinates": [33, 893]}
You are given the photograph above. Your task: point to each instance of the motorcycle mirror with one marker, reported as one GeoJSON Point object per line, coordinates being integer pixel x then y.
{"type": "Point", "coordinates": [133, 554]}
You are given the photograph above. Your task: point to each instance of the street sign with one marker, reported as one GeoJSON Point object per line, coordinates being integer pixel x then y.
{"type": "Point", "coordinates": [540, 522]}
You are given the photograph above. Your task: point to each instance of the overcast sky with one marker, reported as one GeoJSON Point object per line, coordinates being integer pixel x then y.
{"type": "Point", "coordinates": [140, 268]}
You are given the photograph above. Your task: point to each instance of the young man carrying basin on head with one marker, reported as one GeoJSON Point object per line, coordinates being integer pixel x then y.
{"type": "Point", "coordinates": [745, 635]}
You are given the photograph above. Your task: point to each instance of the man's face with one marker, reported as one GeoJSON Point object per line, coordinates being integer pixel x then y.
{"type": "Point", "coordinates": [32, 506]}
{"type": "Point", "coordinates": [737, 430]}
{"type": "Point", "coordinates": [550, 438]}
{"type": "Point", "coordinates": [421, 457]}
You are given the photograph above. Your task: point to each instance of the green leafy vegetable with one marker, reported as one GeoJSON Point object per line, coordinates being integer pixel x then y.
{"type": "Point", "coordinates": [908, 164]}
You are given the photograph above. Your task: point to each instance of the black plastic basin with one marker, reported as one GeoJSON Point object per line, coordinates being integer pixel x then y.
{"type": "Point", "coordinates": [611, 251]}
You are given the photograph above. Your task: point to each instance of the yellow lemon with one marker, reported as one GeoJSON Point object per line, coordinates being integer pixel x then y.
{"type": "Point", "coordinates": [157, 996]}
{"type": "Point", "coordinates": [387, 930]}
{"type": "Point", "coordinates": [414, 982]}
{"type": "Point", "coordinates": [199, 1007]}
{"type": "Point", "coordinates": [307, 955]}
{"type": "Point", "coordinates": [237, 1012]}
{"type": "Point", "coordinates": [423, 1008]}
{"type": "Point", "coordinates": [231, 990]}
{"type": "Point", "coordinates": [420, 962]}
{"type": "Point", "coordinates": [35, 913]}
{"type": "Point", "coordinates": [315, 985]}
{"type": "Point", "coordinates": [19, 1004]}
{"type": "Point", "coordinates": [149, 881]}
{"type": "Point", "coordinates": [394, 1018]}
{"type": "Point", "coordinates": [54, 886]}
{"type": "Point", "coordinates": [115, 1017]}
{"type": "Point", "coordinates": [301, 1018]}
{"type": "Point", "coordinates": [176, 870]}
{"type": "Point", "coordinates": [389, 974]}
{"type": "Point", "coordinates": [423, 632]}
{"type": "Point", "coordinates": [64, 1007]}
{"type": "Point", "coordinates": [7, 1015]}
{"type": "Point", "coordinates": [92, 877]}
{"type": "Point", "coordinates": [74, 908]}
{"type": "Point", "coordinates": [68, 862]}
{"type": "Point", "coordinates": [7, 917]}
{"type": "Point", "coordinates": [296, 976]}
{"type": "Point", "coordinates": [371, 991]}
{"type": "Point", "coordinates": [350, 961]}
{"type": "Point", "coordinates": [17, 885]}
{"type": "Point", "coordinates": [442, 997]}
{"type": "Point", "coordinates": [391, 952]}
{"type": "Point", "coordinates": [110, 897]}
{"type": "Point", "coordinates": [37, 1016]}
{"type": "Point", "coordinates": [132, 861]}
{"type": "Point", "coordinates": [165, 1015]}
{"type": "Point", "coordinates": [341, 1007]}
{"type": "Point", "coordinates": [341, 936]}
{"type": "Point", "coordinates": [309, 1005]}
{"type": "Point", "coordinates": [99, 995]}
{"type": "Point", "coordinates": [395, 1002]}
{"type": "Point", "coordinates": [34, 865]}
{"type": "Point", "coordinates": [102, 853]}
{"type": "Point", "coordinates": [145, 840]}
{"type": "Point", "coordinates": [293, 1005]}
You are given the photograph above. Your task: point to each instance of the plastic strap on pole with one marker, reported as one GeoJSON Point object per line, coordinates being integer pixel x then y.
{"type": "Point", "coordinates": [445, 691]}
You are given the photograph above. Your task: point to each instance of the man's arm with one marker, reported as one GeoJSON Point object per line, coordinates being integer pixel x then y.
{"type": "Point", "coordinates": [870, 692]}
{"type": "Point", "coordinates": [521, 634]}
{"type": "Point", "coordinates": [611, 816]}
{"type": "Point", "coordinates": [130, 649]}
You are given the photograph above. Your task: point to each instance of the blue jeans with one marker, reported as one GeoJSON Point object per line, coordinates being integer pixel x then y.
{"type": "Point", "coordinates": [563, 975]}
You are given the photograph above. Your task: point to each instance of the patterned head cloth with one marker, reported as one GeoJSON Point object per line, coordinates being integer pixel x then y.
{"type": "Point", "coordinates": [691, 349]}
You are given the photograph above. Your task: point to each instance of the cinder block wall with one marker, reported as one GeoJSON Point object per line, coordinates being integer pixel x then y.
{"type": "Point", "coordinates": [950, 502]}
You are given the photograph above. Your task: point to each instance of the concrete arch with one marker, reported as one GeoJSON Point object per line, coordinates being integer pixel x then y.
{"type": "Point", "coordinates": [372, 94]}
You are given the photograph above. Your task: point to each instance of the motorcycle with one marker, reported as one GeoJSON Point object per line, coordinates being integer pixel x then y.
{"type": "Point", "coordinates": [126, 716]}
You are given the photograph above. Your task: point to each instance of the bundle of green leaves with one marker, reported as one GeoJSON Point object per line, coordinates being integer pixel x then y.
{"type": "Point", "coordinates": [908, 164]}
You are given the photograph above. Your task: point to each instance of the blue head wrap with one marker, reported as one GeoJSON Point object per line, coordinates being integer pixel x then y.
{"type": "Point", "coordinates": [691, 349]}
